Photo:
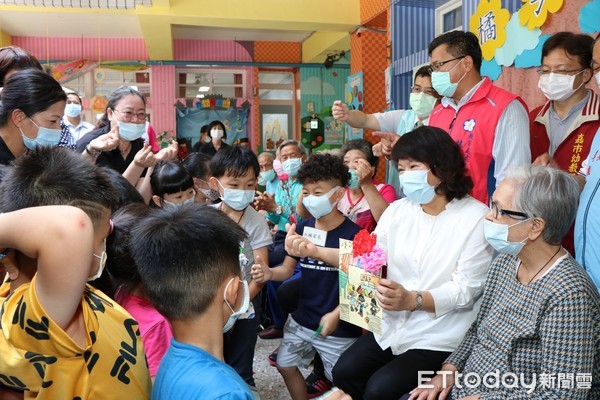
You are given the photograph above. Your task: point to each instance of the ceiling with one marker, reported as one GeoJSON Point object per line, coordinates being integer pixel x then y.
{"type": "Point", "coordinates": [251, 35]}
{"type": "Point", "coordinates": [159, 22]}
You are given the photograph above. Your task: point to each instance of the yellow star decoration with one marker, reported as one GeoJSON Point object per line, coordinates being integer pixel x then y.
{"type": "Point", "coordinates": [534, 12]}
{"type": "Point", "coordinates": [489, 25]}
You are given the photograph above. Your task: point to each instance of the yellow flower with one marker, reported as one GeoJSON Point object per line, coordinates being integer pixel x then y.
{"type": "Point", "coordinates": [489, 25]}
{"type": "Point", "coordinates": [534, 12]}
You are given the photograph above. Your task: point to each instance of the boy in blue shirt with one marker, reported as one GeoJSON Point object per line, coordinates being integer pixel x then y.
{"type": "Point", "coordinates": [188, 261]}
{"type": "Point", "coordinates": [324, 179]}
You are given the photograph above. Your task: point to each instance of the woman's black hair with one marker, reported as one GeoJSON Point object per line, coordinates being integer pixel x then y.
{"type": "Point", "coordinates": [13, 58]}
{"type": "Point", "coordinates": [115, 98]}
{"type": "Point", "coordinates": [170, 177]}
{"type": "Point", "coordinates": [31, 91]}
{"type": "Point", "coordinates": [434, 147]}
{"type": "Point", "coordinates": [219, 124]}
{"type": "Point", "coordinates": [119, 263]}
{"type": "Point", "coordinates": [197, 165]}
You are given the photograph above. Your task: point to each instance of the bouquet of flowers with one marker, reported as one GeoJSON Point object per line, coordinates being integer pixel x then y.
{"type": "Point", "coordinates": [371, 257]}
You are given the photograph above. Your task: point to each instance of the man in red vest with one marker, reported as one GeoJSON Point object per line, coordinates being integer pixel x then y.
{"type": "Point", "coordinates": [562, 130]}
{"type": "Point", "coordinates": [490, 124]}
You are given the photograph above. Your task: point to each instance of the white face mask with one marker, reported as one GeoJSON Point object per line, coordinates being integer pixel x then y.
{"type": "Point", "coordinates": [558, 87]}
{"type": "Point", "coordinates": [245, 304]}
{"type": "Point", "coordinates": [102, 261]}
{"type": "Point", "coordinates": [170, 205]}
{"type": "Point", "coordinates": [216, 134]}
{"type": "Point", "coordinates": [598, 78]}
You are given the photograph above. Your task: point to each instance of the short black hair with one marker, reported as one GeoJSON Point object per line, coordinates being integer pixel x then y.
{"type": "Point", "coordinates": [170, 177]}
{"type": "Point", "coordinates": [459, 44]}
{"type": "Point", "coordinates": [120, 263]}
{"type": "Point", "coordinates": [218, 124]}
{"type": "Point", "coordinates": [434, 147]}
{"type": "Point", "coordinates": [361, 145]}
{"type": "Point", "coordinates": [126, 192]}
{"type": "Point", "coordinates": [54, 176]}
{"type": "Point", "coordinates": [425, 70]}
{"type": "Point", "coordinates": [576, 45]}
{"type": "Point", "coordinates": [13, 58]}
{"type": "Point", "coordinates": [204, 129]}
{"type": "Point", "coordinates": [198, 165]}
{"type": "Point", "coordinates": [31, 91]}
{"type": "Point", "coordinates": [323, 167]}
{"type": "Point", "coordinates": [72, 93]}
{"type": "Point", "coordinates": [234, 161]}
{"type": "Point", "coordinates": [184, 255]}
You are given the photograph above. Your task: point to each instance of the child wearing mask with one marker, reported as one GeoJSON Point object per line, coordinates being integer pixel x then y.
{"type": "Point", "coordinates": [234, 175]}
{"type": "Point", "coordinates": [324, 179]}
{"type": "Point", "coordinates": [202, 293]}
{"type": "Point", "coordinates": [172, 186]}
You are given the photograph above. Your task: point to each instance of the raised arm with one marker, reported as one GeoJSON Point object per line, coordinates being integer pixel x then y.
{"type": "Point", "coordinates": [61, 239]}
{"type": "Point", "coordinates": [354, 118]}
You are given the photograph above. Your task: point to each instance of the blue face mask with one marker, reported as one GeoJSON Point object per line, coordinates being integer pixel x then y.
{"type": "Point", "coordinates": [46, 137]}
{"type": "Point", "coordinates": [319, 206]}
{"type": "Point", "coordinates": [497, 236]}
{"type": "Point", "coordinates": [266, 176]}
{"type": "Point", "coordinates": [415, 186]}
{"type": "Point", "coordinates": [73, 110]}
{"type": "Point", "coordinates": [442, 84]}
{"type": "Point", "coordinates": [291, 166]}
{"type": "Point", "coordinates": [129, 131]}
{"type": "Point", "coordinates": [236, 314]}
{"type": "Point", "coordinates": [353, 182]}
{"type": "Point", "coordinates": [236, 198]}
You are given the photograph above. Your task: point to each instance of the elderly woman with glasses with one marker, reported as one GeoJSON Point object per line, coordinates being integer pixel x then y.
{"type": "Point", "coordinates": [537, 334]}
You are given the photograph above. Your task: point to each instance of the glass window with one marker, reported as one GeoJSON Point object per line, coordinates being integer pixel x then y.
{"type": "Point", "coordinates": [198, 83]}
{"type": "Point", "coordinates": [275, 94]}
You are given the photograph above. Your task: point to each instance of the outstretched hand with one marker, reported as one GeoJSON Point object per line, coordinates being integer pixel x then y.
{"type": "Point", "coordinates": [297, 245]}
{"type": "Point", "coordinates": [260, 270]}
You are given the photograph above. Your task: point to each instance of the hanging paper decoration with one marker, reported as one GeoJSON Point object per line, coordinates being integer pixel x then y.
{"type": "Point", "coordinates": [98, 104]}
{"type": "Point", "coordinates": [518, 39]}
{"type": "Point", "coordinates": [491, 69]}
{"type": "Point", "coordinates": [588, 17]}
{"type": "Point", "coordinates": [534, 13]}
{"type": "Point", "coordinates": [532, 58]}
{"type": "Point", "coordinates": [488, 24]}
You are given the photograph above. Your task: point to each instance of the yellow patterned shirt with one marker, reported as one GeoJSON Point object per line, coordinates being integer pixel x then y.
{"type": "Point", "coordinates": [38, 357]}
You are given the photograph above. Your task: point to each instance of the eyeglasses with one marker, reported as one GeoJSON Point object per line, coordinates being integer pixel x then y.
{"type": "Point", "coordinates": [419, 89]}
{"type": "Point", "coordinates": [510, 214]}
{"type": "Point", "coordinates": [435, 67]}
{"type": "Point", "coordinates": [545, 71]}
{"type": "Point", "coordinates": [140, 117]}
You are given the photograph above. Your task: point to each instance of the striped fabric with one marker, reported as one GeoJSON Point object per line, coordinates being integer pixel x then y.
{"type": "Point", "coordinates": [551, 326]}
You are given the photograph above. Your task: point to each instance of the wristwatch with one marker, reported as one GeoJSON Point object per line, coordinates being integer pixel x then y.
{"type": "Point", "coordinates": [279, 210]}
{"type": "Point", "coordinates": [419, 299]}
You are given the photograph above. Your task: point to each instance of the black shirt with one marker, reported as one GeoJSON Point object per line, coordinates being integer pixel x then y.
{"type": "Point", "coordinates": [6, 157]}
{"type": "Point", "coordinates": [209, 148]}
{"type": "Point", "coordinates": [112, 159]}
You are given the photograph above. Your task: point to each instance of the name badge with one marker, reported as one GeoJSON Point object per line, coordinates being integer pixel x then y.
{"type": "Point", "coordinates": [317, 236]}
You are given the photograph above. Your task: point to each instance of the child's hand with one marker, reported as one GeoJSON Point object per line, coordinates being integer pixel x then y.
{"type": "Point", "coordinates": [298, 246]}
{"type": "Point", "coordinates": [330, 322]}
{"type": "Point", "coordinates": [260, 271]}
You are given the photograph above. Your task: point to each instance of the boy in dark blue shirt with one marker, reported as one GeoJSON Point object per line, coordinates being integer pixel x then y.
{"type": "Point", "coordinates": [324, 179]}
